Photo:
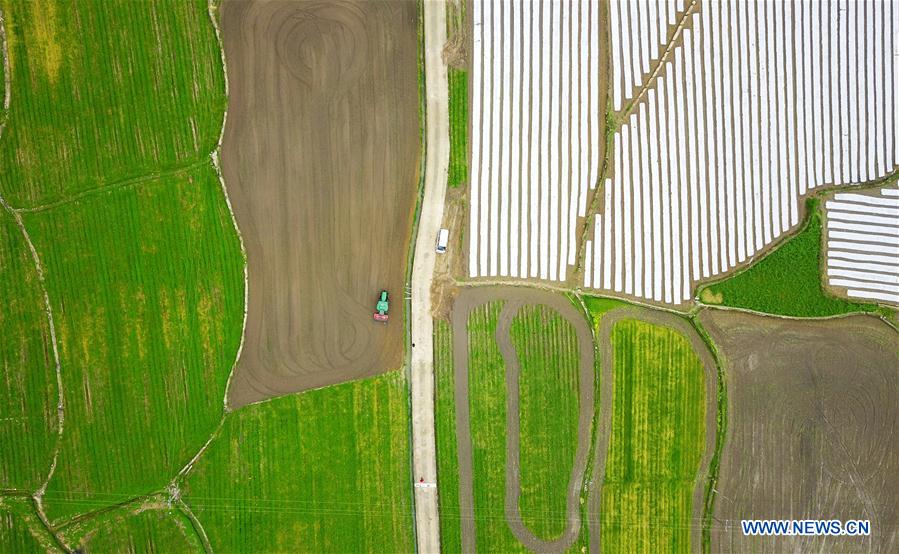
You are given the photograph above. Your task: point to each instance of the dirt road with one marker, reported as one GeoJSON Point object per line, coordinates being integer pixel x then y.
{"type": "Point", "coordinates": [320, 156]}
{"type": "Point", "coordinates": [424, 449]}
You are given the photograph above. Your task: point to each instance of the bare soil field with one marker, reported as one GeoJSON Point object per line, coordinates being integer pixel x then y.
{"type": "Point", "coordinates": [320, 157]}
{"type": "Point", "coordinates": [812, 430]}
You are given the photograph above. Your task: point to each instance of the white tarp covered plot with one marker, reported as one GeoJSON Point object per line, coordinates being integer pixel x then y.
{"type": "Point", "coordinates": [863, 244]}
{"type": "Point", "coordinates": [536, 130]}
{"type": "Point", "coordinates": [764, 101]}
{"type": "Point", "coordinates": [638, 32]}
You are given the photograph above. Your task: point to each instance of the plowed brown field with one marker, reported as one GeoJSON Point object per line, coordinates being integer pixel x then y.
{"type": "Point", "coordinates": [812, 431]}
{"type": "Point", "coordinates": [320, 156]}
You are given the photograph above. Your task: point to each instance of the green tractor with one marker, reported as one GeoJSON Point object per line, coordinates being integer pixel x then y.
{"type": "Point", "coordinates": [381, 307]}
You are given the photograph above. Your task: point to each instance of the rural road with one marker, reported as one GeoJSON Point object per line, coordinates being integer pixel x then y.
{"type": "Point", "coordinates": [424, 449]}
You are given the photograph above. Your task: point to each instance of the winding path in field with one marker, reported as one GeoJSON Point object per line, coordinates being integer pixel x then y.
{"type": "Point", "coordinates": [515, 298]}
{"type": "Point", "coordinates": [607, 355]}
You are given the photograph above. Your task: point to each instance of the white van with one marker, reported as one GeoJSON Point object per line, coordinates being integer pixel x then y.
{"type": "Point", "coordinates": [442, 240]}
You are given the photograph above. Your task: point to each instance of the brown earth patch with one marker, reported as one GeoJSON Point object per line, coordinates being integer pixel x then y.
{"type": "Point", "coordinates": [812, 432]}
{"type": "Point", "coordinates": [320, 157]}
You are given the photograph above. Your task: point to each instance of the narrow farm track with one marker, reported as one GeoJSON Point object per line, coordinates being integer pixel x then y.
{"type": "Point", "coordinates": [515, 298]}
{"type": "Point", "coordinates": [585, 417]}
{"type": "Point", "coordinates": [607, 355]}
{"type": "Point", "coordinates": [117, 185]}
{"type": "Point", "coordinates": [424, 446]}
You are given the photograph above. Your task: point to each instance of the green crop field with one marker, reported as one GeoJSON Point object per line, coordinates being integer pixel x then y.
{"type": "Point", "coordinates": [447, 453]}
{"type": "Point", "coordinates": [656, 441]}
{"type": "Point", "coordinates": [487, 404]}
{"type": "Point", "coordinates": [153, 528]}
{"type": "Point", "coordinates": [787, 281]}
{"type": "Point", "coordinates": [548, 353]}
{"type": "Point", "coordinates": [28, 395]}
{"type": "Point", "coordinates": [104, 92]}
{"type": "Point", "coordinates": [458, 120]}
{"type": "Point", "coordinates": [547, 349]}
{"type": "Point", "coordinates": [146, 285]}
{"type": "Point", "coordinates": [326, 470]}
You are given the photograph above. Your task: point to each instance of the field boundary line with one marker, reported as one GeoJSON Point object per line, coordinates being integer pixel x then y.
{"type": "Point", "coordinates": [7, 74]}
{"type": "Point", "coordinates": [115, 185]}
{"type": "Point", "coordinates": [713, 468]}
{"type": "Point", "coordinates": [196, 525]}
{"type": "Point", "coordinates": [212, 12]}
{"type": "Point", "coordinates": [586, 406]}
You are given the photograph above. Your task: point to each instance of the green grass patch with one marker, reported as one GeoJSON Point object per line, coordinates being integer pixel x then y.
{"type": "Point", "coordinates": [326, 471]}
{"type": "Point", "coordinates": [447, 452]}
{"type": "Point", "coordinates": [106, 91]}
{"type": "Point", "coordinates": [146, 285]}
{"type": "Point", "coordinates": [148, 529]}
{"type": "Point", "coordinates": [458, 123]}
{"type": "Point", "coordinates": [547, 348]}
{"type": "Point", "coordinates": [597, 306]}
{"type": "Point", "coordinates": [786, 281]}
{"type": "Point", "coordinates": [656, 441]}
{"type": "Point", "coordinates": [28, 395]}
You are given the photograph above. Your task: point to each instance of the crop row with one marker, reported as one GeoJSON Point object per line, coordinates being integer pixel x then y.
{"type": "Point", "coordinates": [536, 123]}
{"type": "Point", "coordinates": [761, 103]}
{"type": "Point", "coordinates": [863, 244]}
{"type": "Point", "coordinates": [638, 30]}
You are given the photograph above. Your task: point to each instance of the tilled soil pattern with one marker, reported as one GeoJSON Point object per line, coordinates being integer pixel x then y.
{"type": "Point", "coordinates": [320, 156]}
{"type": "Point", "coordinates": [812, 430]}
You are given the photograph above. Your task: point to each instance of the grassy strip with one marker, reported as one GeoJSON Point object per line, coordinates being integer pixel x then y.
{"type": "Point", "coordinates": [708, 509]}
{"type": "Point", "coordinates": [28, 395]}
{"type": "Point", "coordinates": [656, 441]}
{"type": "Point", "coordinates": [547, 348]}
{"type": "Point", "coordinates": [447, 452]}
{"type": "Point", "coordinates": [104, 92]}
{"type": "Point", "coordinates": [146, 288]}
{"type": "Point", "coordinates": [458, 126]}
{"type": "Point", "coordinates": [326, 470]}
{"type": "Point", "coordinates": [786, 281]}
